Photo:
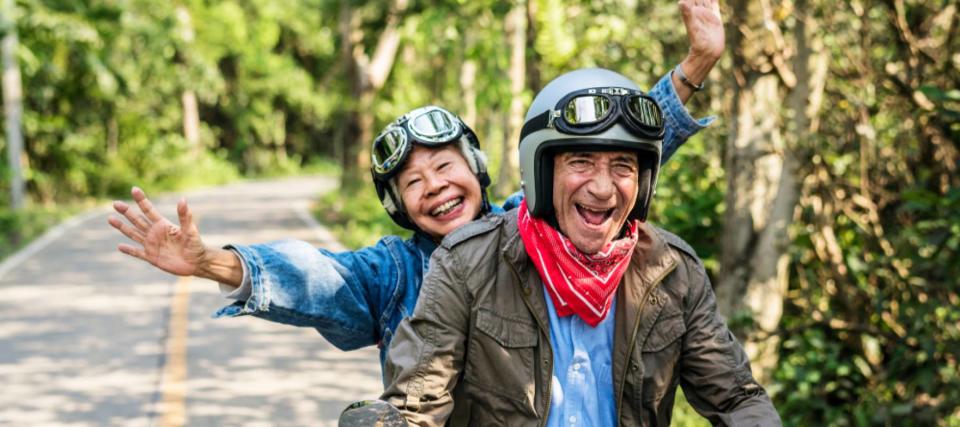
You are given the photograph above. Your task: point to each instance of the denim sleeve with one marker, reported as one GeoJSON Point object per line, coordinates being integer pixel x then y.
{"type": "Point", "coordinates": [341, 295]}
{"type": "Point", "coordinates": [680, 126]}
{"type": "Point", "coordinates": [513, 201]}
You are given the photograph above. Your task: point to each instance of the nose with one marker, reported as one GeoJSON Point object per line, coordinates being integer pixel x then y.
{"type": "Point", "coordinates": [434, 184]}
{"type": "Point", "coordinates": [601, 185]}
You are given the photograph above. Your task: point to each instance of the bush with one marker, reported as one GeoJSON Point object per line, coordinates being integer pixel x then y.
{"type": "Point", "coordinates": [357, 221]}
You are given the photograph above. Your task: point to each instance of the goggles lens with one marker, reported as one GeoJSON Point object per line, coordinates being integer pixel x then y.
{"type": "Point", "coordinates": [434, 126]}
{"type": "Point", "coordinates": [387, 149]}
{"type": "Point", "coordinates": [645, 111]}
{"type": "Point", "coordinates": [586, 110]}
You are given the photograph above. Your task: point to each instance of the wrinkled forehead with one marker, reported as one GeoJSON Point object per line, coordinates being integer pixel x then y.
{"type": "Point", "coordinates": [606, 155]}
{"type": "Point", "coordinates": [422, 157]}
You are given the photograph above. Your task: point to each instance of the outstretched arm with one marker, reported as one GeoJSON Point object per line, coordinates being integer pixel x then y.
{"type": "Point", "coordinates": [176, 249]}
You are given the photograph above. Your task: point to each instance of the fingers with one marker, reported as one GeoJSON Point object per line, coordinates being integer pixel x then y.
{"type": "Point", "coordinates": [137, 220]}
{"type": "Point", "coordinates": [685, 6]}
{"type": "Point", "coordinates": [714, 6]}
{"type": "Point", "coordinates": [145, 206]}
{"type": "Point", "coordinates": [186, 215]}
{"type": "Point", "coordinates": [132, 251]}
{"type": "Point", "coordinates": [127, 230]}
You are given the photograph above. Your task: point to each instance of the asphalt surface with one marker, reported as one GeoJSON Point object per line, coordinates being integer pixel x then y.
{"type": "Point", "coordinates": [92, 337]}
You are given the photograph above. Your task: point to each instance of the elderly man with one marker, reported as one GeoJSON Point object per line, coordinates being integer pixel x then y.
{"type": "Point", "coordinates": [572, 310]}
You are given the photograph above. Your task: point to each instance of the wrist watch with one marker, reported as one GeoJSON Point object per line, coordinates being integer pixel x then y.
{"type": "Point", "coordinates": [686, 82]}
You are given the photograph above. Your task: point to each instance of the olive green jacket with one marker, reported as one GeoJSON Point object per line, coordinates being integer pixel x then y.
{"type": "Point", "coordinates": [477, 350]}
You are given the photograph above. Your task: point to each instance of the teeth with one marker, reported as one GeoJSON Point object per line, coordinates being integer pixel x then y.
{"type": "Point", "coordinates": [599, 211]}
{"type": "Point", "coordinates": [446, 207]}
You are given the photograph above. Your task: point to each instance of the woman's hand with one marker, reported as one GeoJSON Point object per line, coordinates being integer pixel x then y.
{"type": "Point", "coordinates": [175, 249]}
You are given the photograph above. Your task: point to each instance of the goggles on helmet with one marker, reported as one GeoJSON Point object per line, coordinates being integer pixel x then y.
{"type": "Point", "coordinates": [592, 111]}
{"type": "Point", "coordinates": [430, 126]}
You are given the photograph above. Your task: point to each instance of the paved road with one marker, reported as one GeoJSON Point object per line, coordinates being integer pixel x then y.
{"type": "Point", "coordinates": [91, 337]}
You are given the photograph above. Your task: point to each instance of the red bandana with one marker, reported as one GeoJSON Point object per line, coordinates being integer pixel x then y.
{"type": "Point", "coordinates": [577, 282]}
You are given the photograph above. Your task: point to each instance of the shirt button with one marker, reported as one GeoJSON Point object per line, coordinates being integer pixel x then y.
{"type": "Point", "coordinates": [576, 366]}
{"type": "Point", "coordinates": [573, 419]}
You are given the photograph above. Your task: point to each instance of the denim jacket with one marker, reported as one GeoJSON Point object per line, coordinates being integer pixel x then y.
{"type": "Point", "coordinates": [357, 298]}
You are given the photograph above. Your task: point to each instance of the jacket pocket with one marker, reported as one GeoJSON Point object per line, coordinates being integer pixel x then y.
{"type": "Point", "coordinates": [499, 371]}
{"type": "Point", "coordinates": [661, 357]}
{"type": "Point", "coordinates": [664, 333]}
{"type": "Point", "coordinates": [506, 331]}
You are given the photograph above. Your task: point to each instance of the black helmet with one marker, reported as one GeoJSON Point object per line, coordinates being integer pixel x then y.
{"type": "Point", "coordinates": [430, 126]}
{"type": "Point", "coordinates": [589, 109]}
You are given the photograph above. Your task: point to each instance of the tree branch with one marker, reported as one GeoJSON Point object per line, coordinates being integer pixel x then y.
{"type": "Point", "coordinates": [387, 46]}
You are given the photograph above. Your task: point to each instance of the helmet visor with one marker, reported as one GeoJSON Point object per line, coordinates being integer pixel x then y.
{"type": "Point", "coordinates": [435, 126]}
{"type": "Point", "coordinates": [388, 149]}
{"type": "Point", "coordinates": [586, 110]}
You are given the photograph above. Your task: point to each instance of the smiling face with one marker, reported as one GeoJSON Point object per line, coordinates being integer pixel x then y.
{"type": "Point", "coordinates": [593, 193]}
{"type": "Point", "coordinates": [438, 189]}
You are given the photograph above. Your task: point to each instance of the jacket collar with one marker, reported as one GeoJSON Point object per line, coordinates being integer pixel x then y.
{"type": "Point", "coordinates": [651, 259]}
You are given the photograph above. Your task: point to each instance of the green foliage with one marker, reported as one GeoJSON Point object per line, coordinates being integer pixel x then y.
{"type": "Point", "coordinates": [357, 221]}
{"type": "Point", "coordinates": [689, 199]}
{"type": "Point", "coordinates": [684, 415]}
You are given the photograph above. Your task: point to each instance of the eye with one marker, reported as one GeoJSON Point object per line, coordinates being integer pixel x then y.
{"type": "Point", "coordinates": [443, 166]}
{"type": "Point", "coordinates": [412, 182]}
{"type": "Point", "coordinates": [579, 163]}
{"type": "Point", "coordinates": [624, 168]}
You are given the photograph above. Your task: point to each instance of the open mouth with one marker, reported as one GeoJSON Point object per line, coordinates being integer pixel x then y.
{"type": "Point", "coordinates": [594, 216]}
{"type": "Point", "coordinates": [447, 207]}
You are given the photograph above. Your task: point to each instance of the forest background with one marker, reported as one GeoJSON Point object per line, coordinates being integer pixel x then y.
{"type": "Point", "coordinates": [824, 201]}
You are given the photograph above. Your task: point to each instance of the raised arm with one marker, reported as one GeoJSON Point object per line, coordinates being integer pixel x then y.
{"type": "Point", "coordinates": [705, 34]}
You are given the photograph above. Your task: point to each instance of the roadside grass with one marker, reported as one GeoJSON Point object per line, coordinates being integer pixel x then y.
{"type": "Point", "coordinates": [356, 220]}
{"type": "Point", "coordinates": [18, 229]}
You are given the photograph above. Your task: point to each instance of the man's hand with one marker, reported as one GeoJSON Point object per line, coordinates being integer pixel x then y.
{"type": "Point", "coordinates": [704, 27]}
{"type": "Point", "coordinates": [171, 248]}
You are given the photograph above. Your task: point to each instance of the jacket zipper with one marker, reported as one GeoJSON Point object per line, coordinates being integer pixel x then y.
{"type": "Point", "coordinates": [543, 419]}
{"type": "Point", "coordinates": [633, 336]}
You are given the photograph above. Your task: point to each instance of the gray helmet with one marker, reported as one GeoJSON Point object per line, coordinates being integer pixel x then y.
{"type": "Point", "coordinates": [543, 137]}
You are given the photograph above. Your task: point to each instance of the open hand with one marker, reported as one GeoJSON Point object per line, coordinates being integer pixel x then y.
{"type": "Point", "coordinates": [171, 248]}
{"type": "Point", "coordinates": [704, 27]}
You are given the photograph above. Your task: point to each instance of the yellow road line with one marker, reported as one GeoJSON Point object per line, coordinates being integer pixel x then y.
{"type": "Point", "coordinates": [173, 411]}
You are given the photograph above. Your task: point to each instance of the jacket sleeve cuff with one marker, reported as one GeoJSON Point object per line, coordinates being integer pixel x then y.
{"type": "Point", "coordinates": [241, 293]}
{"type": "Point", "coordinates": [253, 294]}
{"type": "Point", "coordinates": [680, 125]}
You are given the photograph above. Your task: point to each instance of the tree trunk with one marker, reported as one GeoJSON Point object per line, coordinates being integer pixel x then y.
{"type": "Point", "coordinates": [534, 83]}
{"type": "Point", "coordinates": [366, 77]}
{"type": "Point", "coordinates": [762, 187]}
{"type": "Point", "coordinates": [191, 120]}
{"type": "Point", "coordinates": [12, 105]}
{"type": "Point", "coordinates": [516, 26]}
{"type": "Point", "coordinates": [468, 81]}
{"type": "Point", "coordinates": [191, 112]}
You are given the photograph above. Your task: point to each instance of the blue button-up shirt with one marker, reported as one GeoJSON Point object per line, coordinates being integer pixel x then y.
{"type": "Point", "coordinates": [357, 298]}
{"type": "Point", "coordinates": [582, 389]}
